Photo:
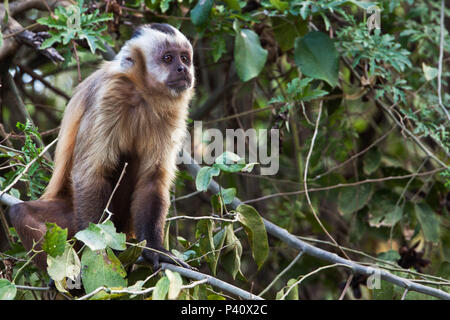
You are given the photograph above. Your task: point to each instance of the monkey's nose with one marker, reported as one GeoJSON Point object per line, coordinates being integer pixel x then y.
{"type": "Point", "coordinates": [181, 69]}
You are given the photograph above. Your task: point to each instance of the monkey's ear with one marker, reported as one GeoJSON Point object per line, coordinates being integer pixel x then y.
{"type": "Point", "coordinates": [126, 62]}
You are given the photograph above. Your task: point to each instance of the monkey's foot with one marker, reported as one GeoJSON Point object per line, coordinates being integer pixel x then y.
{"type": "Point", "coordinates": [160, 255]}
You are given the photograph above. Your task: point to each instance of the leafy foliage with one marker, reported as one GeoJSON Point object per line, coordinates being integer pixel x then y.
{"type": "Point", "coordinates": [269, 64]}
{"type": "Point", "coordinates": [75, 23]}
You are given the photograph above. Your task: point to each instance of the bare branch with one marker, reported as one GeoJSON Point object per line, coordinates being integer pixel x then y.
{"type": "Point", "coordinates": [212, 281]}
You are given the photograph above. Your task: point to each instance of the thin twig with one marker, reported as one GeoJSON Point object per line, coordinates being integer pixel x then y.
{"type": "Point", "coordinates": [405, 293]}
{"type": "Point", "coordinates": [305, 184]}
{"type": "Point", "coordinates": [345, 185]}
{"type": "Point", "coordinates": [355, 155]}
{"type": "Point", "coordinates": [293, 262]}
{"type": "Point", "coordinates": [310, 274]}
{"type": "Point", "coordinates": [347, 285]}
{"type": "Point", "coordinates": [77, 60]}
{"type": "Point", "coordinates": [201, 218]}
{"type": "Point", "coordinates": [112, 195]}
{"type": "Point", "coordinates": [27, 167]}
{"type": "Point", "coordinates": [137, 292]}
{"type": "Point", "coordinates": [186, 196]}
{"type": "Point", "coordinates": [47, 84]}
{"type": "Point", "coordinates": [19, 102]}
{"type": "Point", "coordinates": [33, 288]}
{"type": "Point", "coordinates": [409, 133]}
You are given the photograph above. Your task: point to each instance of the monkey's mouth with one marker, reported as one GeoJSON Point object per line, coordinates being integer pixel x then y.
{"type": "Point", "coordinates": [179, 84]}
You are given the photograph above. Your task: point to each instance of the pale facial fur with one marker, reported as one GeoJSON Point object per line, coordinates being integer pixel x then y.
{"type": "Point", "coordinates": [150, 42]}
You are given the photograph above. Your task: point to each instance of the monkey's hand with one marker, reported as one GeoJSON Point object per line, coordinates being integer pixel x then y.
{"type": "Point", "coordinates": [155, 256]}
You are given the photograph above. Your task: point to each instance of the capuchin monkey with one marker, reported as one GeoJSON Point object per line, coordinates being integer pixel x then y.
{"type": "Point", "coordinates": [132, 110]}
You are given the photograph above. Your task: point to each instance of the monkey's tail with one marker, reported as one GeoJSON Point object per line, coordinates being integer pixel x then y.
{"type": "Point", "coordinates": [59, 182]}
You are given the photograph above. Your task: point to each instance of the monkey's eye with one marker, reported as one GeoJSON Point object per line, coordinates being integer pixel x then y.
{"type": "Point", "coordinates": [185, 59]}
{"type": "Point", "coordinates": [167, 58]}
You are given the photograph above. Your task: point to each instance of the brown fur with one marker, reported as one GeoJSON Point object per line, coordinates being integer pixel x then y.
{"type": "Point", "coordinates": [113, 118]}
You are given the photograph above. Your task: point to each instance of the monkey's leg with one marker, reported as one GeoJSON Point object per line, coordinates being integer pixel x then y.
{"type": "Point", "coordinates": [149, 209]}
{"type": "Point", "coordinates": [29, 218]}
{"type": "Point", "coordinates": [91, 195]}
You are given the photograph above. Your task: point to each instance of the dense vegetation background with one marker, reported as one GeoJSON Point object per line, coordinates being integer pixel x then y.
{"type": "Point", "coordinates": [364, 144]}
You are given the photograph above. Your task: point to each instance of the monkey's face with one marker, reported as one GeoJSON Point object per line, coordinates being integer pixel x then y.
{"type": "Point", "coordinates": [167, 58]}
{"type": "Point", "coordinates": [177, 62]}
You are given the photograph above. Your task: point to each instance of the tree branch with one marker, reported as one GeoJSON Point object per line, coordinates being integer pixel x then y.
{"type": "Point", "coordinates": [321, 254]}
{"type": "Point", "coordinates": [12, 43]}
{"type": "Point", "coordinates": [212, 281]}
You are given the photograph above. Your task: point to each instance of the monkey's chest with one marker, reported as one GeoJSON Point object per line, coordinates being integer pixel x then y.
{"type": "Point", "coordinates": [145, 142]}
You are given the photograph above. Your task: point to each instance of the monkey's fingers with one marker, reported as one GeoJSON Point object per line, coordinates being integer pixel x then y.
{"type": "Point", "coordinates": [157, 256]}
{"type": "Point", "coordinates": [170, 258]}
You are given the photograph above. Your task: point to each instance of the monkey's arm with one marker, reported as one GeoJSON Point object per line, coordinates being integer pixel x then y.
{"type": "Point", "coordinates": [149, 208]}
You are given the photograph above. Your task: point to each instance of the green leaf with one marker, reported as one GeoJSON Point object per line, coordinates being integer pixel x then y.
{"type": "Point", "coordinates": [394, 216]}
{"type": "Point", "coordinates": [204, 232]}
{"type": "Point", "coordinates": [50, 42]}
{"type": "Point", "coordinates": [233, 4]}
{"type": "Point", "coordinates": [219, 239]}
{"type": "Point", "coordinates": [228, 195]}
{"type": "Point", "coordinates": [317, 57]}
{"type": "Point", "coordinates": [371, 161]}
{"type": "Point", "coordinates": [429, 72]}
{"type": "Point", "coordinates": [8, 290]}
{"type": "Point", "coordinates": [161, 289]}
{"type": "Point", "coordinates": [132, 253]}
{"type": "Point", "coordinates": [201, 11]}
{"type": "Point", "coordinates": [6, 17]}
{"type": "Point", "coordinates": [383, 208]}
{"type": "Point", "coordinates": [256, 232]}
{"type": "Point", "coordinates": [229, 162]}
{"type": "Point", "coordinates": [249, 167]}
{"type": "Point", "coordinates": [175, 284]}
{"type": "Point", "coordinates": [249, 56]}
{"type": "Point", "coordinates": [91, 40]}
{"type": "Point", "coordinates": [204, 177]}
{"type": "Point", "coordinates": [280, 5]}
{"type": "Point", "coordinates": [1, 39]}
{"type": "Point", "coordinates": [218, 48]}
{"type": "Point", "coordinates": [358, 226]}
{"type": "Point", "coordinates": [390, 255]}
{"type": "Point", "coordinates": [286, 29]}
{"type": "Point", "coordinates": [352, 199]}
{"type": "Point", "coordinates": [231, 257]}
{"type": "Point", "coordinates": [101, 268]}
{"type": "Point", "coordinates": [63, 266]}
{"type": "Point", "coordinates": [445, 246]}
{"type": "Point", "coordinates": [385, 292]}
{"type": "Point", "coordinates": [227, 157]}
{"type": "Point", "coordinates": [54, 240]}
{"type": "Point", "coordinates": [363, 4]}
{"type": "Point", "coordinates": [98, 236]}
{"type": "Point", "coordinates": [429, 221]}
{"type": "Point", "coordinates": [216, 203]}
{"type": "Point", "coordinates": [293, 294]}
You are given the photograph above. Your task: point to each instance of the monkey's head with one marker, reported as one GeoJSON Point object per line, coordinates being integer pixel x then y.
{"type": "Point", "coordinates": [162, 56]}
